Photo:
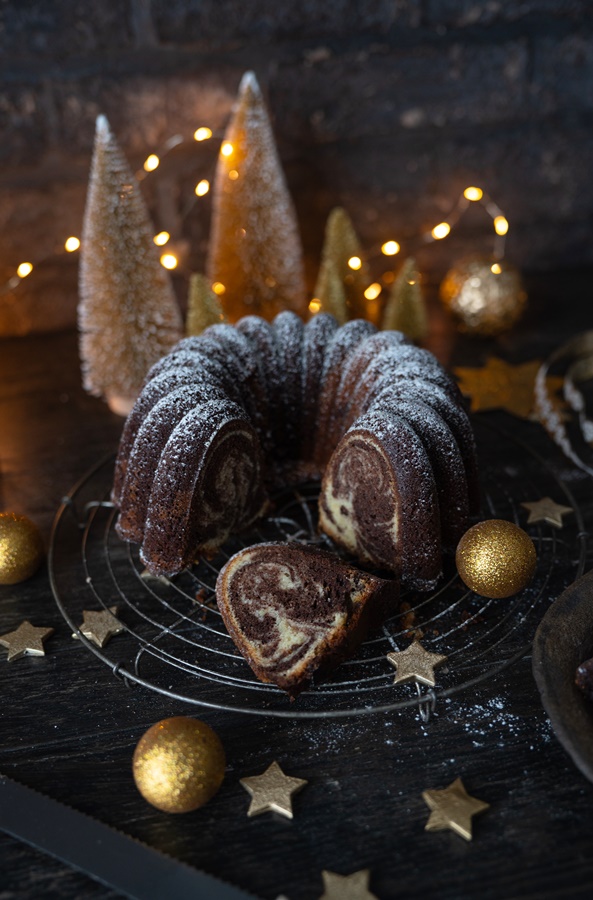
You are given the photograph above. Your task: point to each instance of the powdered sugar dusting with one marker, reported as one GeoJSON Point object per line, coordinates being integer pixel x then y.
{"type": "Point", "coordinates": [268, 376]}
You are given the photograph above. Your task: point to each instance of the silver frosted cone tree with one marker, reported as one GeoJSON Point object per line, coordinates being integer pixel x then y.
{"type": "Point", "coordinates": [128, 314]}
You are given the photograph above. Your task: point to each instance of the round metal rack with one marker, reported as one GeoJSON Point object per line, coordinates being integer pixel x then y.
{"type": "Point", "coordinates": [174, 640]}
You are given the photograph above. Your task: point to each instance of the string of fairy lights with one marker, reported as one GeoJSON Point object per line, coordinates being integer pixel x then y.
{"type": "Point", "coordinates": [389, 248]}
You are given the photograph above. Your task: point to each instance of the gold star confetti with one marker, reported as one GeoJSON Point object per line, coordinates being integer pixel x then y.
{"type": "Point", "coordinates": [100, 626]}
{"type": "Point", "coordinates": [501, 385]}
{"type": "Point", "coordinates": [415, 664]}
{"type": "Point", "coordinates": [545, 510]}
{"type": "Point", "coordinates": [347, 887]}
{"type": "Point", "coordinates": [453, 808]}
{"type": "Point", "coordinates": [27, 640]}
{"type": "Point", "coordinates": [272, 791]}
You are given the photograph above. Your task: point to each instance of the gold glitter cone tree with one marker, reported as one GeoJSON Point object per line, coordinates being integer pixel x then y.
{"type": "Point", "coordinates": [340, 245]}
{"type": "Point", "coordinates": [330, 291]}
{"type": "Point", "coordinates": [255, 253]}
{"type": "Point", "coordinates": [405, 309]}
{"type": "Point", "coordinates": [203, 306]}
{"type": "Point", "coordinates": [128, 315]}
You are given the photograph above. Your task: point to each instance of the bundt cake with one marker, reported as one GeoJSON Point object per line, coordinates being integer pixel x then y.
{"type": "Point", "coordinates": [294, 610]}
{"type": "Point", "coordinates": [240, 410]}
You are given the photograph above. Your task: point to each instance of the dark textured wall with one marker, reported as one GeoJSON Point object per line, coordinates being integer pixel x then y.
{"type": "Point", "coordinates": [389, 107]}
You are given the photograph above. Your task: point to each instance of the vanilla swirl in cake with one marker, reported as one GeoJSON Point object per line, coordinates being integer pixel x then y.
{"type": "Point", "coordinates": [231, 415]}
{"type": "Point", "coordinates": [294, 611]}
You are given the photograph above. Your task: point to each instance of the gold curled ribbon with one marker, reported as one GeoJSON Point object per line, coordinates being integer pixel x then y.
{"type": "Point", "coordinates": [578, 352]}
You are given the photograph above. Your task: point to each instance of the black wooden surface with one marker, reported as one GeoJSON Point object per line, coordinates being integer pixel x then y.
{"type": "Point", "coordinates": [68, 727]}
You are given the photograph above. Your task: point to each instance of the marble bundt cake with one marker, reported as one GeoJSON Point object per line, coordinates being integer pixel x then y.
{"type": "Point", "coordinates": [240, 410]}
{"type": "Point", "coordinates": [294, 611]}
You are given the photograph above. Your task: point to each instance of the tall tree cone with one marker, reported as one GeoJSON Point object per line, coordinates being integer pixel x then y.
{"type": "Point", "coordinates": [330, 291]}
{"type": "Point", "coordinates": [255, 251]}
{"type": "Point", "coordinates": [405, 309]}
{"type": "Point", "coordinates": [203, 306]}
{"type": "Point", "coordinates": [341, 245]}
{"type": "Point", "coordinates": [128, 314]}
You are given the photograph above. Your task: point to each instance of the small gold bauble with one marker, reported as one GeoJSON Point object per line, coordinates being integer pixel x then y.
{"type": "Point", "coordinates": [21, 548]}
{"type": "Point", "coordinates": [179, 764]}
{"type": "Point", "coordinates": [484, 294]}
{"type": "Point", "coordinates": [495, 559]}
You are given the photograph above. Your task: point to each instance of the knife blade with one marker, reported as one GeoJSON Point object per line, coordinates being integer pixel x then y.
{"type": "Point", "coordinates": [101, 852]}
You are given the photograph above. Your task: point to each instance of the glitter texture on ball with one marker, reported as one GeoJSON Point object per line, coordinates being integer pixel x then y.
{"type": "Point", "coordinates": [496, 559]}
{"type": "Point", "coordinates": [21, 548]}
{"type": "Point", "coordinates": [179, 764]}
{"type": "Point", "coordinates": [486, 297]}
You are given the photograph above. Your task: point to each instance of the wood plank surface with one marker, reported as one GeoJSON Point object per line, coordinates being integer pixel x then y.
{"type": "Point", "coordinates": [68, 726]}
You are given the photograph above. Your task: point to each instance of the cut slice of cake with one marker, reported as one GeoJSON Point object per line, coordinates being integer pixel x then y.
{"type": "Point", "coordinates": [294, 610]}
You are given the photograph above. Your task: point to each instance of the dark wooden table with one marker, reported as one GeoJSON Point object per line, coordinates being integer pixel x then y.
{"type": "Point", "coordinates": [68, 727]}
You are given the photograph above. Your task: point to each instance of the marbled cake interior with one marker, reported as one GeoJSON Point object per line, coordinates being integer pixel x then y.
{"type": "Point", "coordinates": [376, 418]}
{"type": "Point", "coordinates": [294, 609]}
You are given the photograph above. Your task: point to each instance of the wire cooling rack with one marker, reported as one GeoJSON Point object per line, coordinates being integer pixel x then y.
{"type": "Point", "coordinates": [174, 640]}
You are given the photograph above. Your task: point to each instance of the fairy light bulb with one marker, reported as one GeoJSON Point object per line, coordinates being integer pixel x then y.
{"type": "Point", "coordinates": [501, 225]}
{"type": "Point", "coordinates": [390, 248]}
{"type": "Point", "coordinates": [161, 238]}
{"type": "Point", "coordinates": [441, 231]}
{"type": "Point", "coordinates": [202, 187]}
{"type": "Point", "coordinates": [495, 268]}
{"type": "Point", "coordinates": [71, 244]}
{"type": "Point", "coordinates": [314, 306]}
{"type": "Point", "coordinates": [202, 133]}
{"type": "Point", "coordinates": [151, 162]}
{"type": "Point", "coordinates": [373, 291]}
{"type": "Point", "coordinates": [355, 262]}
{"type": "Point", "coordinates": [169, 261]}
{"type": "Point", "coordinates": [24, 269]}
{"type": "Point", "coordinates": [226, 149]}
{"type": "Point", "coordinates": [473, 193]}
{"type": "Point", "coordinates": [233, 174]}
{"type": "Point", "coordinates": [218, 288]}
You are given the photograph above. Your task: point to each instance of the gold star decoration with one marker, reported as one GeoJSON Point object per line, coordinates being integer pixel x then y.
{"type": "Point", "coordinates": [100, 626]}
{"type": "Point", "coordinates": [453, 808]}
{"type": "Point", "coordinates": [545, 510]}
{"type": "Point", "coordinates": [347, 887]}
{"type": "Point", "coordinates": [415, 664]}
{"type": "Point", "coordinates": [502, 385]}
{"type": "Point", "coordinates": [27, 640]}
{"type": "Point", "coordinates": [272, 791]}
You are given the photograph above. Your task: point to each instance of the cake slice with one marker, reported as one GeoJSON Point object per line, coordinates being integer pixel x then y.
{"type": "Point", "coordinates": [294, 610]}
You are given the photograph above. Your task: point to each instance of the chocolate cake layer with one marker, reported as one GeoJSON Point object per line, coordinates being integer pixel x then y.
{"type": "Point", "coordinates": [298, 390]}
{"type": "Point", "coordinates": [294, 611]}
{"type": "Point", "coordinates": [208, 484]}
{"type": "Point", "coordinates": [374, 504]}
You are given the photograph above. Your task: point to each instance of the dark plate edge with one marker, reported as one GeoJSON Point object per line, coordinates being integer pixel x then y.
{"type": "Point", "coordinates": [563, 640]}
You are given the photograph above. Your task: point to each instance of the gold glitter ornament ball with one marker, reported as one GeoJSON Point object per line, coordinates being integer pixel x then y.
{"type": "Point", "coordinates": [21, 548]}
{"type": "Point", "coordinates": [179, 764]}
{"type": "Point", "coordinates": [485, 295]}
{"type": "Point", "coordinates": [496, 559]}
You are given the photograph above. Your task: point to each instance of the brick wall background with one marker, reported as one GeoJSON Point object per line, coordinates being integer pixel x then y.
{"type": "Point", "coordinates": [388, 107]}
